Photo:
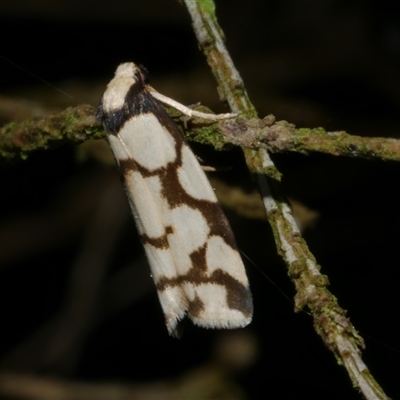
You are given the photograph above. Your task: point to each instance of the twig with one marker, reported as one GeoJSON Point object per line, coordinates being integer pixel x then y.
{"type": "Point", "coordinates": [17, 140]}
{"type": "Point", "coordinates": [78, 124]}
{"type": "Point", "coordinates": [282, 136]}
{"type": "Point", "coordinates": [329, 318]}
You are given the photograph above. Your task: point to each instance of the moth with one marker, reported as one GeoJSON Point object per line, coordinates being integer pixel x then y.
{"type": "Point", "coordinates": [189, 244]}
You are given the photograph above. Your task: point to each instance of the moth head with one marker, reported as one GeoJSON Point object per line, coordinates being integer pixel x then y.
{"type": "Point", "coordinates": [128, 76]}
{"type": "Point", "coordinates": [137, 72]}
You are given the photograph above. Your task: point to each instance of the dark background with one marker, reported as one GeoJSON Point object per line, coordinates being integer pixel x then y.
{"type": "Point", "coordinates": [77, 299]}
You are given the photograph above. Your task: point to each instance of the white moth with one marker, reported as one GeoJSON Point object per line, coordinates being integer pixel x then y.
{"type": "Point", "coordinates": [191, 249]}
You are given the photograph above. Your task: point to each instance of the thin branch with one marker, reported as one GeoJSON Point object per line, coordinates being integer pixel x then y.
{"type": "Point", "coordinates": [282, 136]}
{"type": "Point", "coordinates": [78, 124]}
{"type": "Point", "coordinates": [329, 318]}
{"type": "Point", "coordinates": [74, 125]}
{"type": "Point", "coordinates": [210, 37]}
